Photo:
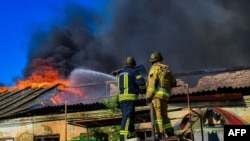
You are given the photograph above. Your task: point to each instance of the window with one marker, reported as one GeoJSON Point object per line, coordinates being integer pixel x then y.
{"type": "Point", "coordinates": [47, 138]}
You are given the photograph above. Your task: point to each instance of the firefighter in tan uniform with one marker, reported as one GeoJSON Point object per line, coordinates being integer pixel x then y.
{"type": "Point", "coordinates": [159, 84]}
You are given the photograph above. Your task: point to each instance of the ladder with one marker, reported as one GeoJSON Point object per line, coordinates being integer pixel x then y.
{"type": "Point", "coordinates": [174, 138]}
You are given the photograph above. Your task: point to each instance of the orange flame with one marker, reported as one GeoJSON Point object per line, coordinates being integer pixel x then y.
{"type": "Point", "coordinates": [3, 89]}
{"type": "Point", "coordinates": [66, 94]}
{"type": "Point", "coordinates": [43, 74]}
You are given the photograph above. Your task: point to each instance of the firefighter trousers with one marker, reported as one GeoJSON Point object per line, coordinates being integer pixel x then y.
{"type": "Point", "coordinates": [127, 123]}
{"type": "Point", "coordinates": [162, 122]}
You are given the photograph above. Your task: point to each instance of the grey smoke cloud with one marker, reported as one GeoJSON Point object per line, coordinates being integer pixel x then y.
{"type": "Point", "coordinates": [191, 35]}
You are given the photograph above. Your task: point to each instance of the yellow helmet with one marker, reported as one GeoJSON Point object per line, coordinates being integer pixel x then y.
{"type": "Point", "coordinates": [155, 56]}
{"type": "Point", "coordinates": [129, 61]}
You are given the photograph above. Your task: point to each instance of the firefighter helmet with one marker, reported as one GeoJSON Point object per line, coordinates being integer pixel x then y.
{"type": "Point", "coordinates": [155, 56]}
{"type": "Point", "coordinates": [129, 61]}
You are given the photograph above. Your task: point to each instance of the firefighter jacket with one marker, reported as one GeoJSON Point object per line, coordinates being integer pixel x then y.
{"type": "Point", "coordinates": [160, 81]}
{"type": "Point", "coordinates": [130, 84]}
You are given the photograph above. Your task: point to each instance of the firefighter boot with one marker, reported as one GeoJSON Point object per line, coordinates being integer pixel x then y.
{"type": "Point", "coordinates": [132, 135]}
{"type": "Point", "coordinates": [170, 132]}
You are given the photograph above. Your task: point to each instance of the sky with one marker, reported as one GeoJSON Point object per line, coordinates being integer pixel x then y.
{"type": "Point", "coordinates": [98, 34]}
{"type": "Point", "coordinates": [19, 19]}
{"type": "Point", "coordinates": [17, 16]}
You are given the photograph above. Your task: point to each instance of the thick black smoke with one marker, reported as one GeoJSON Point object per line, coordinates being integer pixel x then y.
{"type": "Point", "coordinates": [192, 35]}
{"type": "Point", "coordinates": [72, 44]}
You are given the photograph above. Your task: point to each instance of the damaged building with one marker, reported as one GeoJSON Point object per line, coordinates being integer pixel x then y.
{"type": "Point", "coordinates": [59, 113]}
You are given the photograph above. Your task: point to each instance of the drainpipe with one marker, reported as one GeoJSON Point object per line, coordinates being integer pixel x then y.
{"type": "Point", "coordinates": [189, 111]}
{"type": "Point", "coordinates": [65, 118]}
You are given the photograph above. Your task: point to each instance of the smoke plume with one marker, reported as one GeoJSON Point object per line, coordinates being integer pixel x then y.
{"type": "Point", "coordinates": [191, 35]}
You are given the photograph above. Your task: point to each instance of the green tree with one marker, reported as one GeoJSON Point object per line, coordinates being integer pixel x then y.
{"type": "Point", "coordinates": [111, 103]}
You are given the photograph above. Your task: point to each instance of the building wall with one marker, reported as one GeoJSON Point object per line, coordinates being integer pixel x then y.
{"type": "Point", "coordinates": [27, 131]}
{"type": "Point", "coordinates": [242, 111]}
{"type": "Point", "coordinates": [240, 108]}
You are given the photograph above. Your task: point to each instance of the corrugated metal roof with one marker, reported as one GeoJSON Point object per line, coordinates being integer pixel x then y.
{"type": "Point", "coordinates": [18, 101]}
{"type": "Point", "coordinates": [29, 100]}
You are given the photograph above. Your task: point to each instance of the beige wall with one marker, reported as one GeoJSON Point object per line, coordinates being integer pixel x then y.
{"type": "Point", "coordinates": [27, 131]}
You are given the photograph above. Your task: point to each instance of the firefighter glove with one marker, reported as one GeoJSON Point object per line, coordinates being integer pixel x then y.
{"type": "Point", "coordinates": [148, 100]}
{"type": "Point", "coordinates": [115, 73]}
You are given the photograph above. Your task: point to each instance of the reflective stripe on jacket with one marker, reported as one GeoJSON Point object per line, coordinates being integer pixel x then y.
{"type": "Point", "coordinates": [160, 81]}
{"type": "Point", "coordinates": [128, 97]}
{"type": "Point", "coordinates": [130, 84]}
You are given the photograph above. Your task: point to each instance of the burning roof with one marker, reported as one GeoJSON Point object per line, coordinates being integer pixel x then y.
{"type": "Point", "coordinates": [45, 87]}
{"type": "Point", "coordinates": [38, 91]}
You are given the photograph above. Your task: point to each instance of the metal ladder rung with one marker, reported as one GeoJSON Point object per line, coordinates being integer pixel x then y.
{"type": "Point", "coordinates": [171, 139]}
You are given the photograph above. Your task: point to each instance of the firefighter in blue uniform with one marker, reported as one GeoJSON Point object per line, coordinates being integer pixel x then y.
{"type": "Point", "coordinates": [130, 84]}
